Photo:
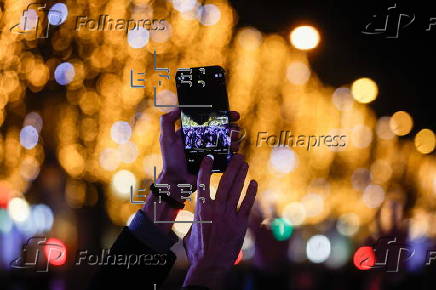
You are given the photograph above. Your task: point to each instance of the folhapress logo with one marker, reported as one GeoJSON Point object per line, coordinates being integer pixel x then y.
{"type": "Point", "coordinates": [37, 19]}
{"type": "Point", "coordinates": [39, 252]}
{"type": "Point", "coordinates": [395, 20]}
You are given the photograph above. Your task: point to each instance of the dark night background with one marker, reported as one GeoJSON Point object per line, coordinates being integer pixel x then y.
{"type": "Point", "coordinates": [402, 68]}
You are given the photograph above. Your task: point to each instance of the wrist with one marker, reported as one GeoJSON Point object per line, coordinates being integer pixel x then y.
{"type": "Point", "coordinates": [162, 211]}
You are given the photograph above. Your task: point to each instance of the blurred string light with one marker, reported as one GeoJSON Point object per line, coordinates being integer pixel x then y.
{"type": "Point", "coordinates": [295, 213]}
{"type": "Point", "coordinates": [29, 137]}
{"type": "Point", "coordinates": [5, 222]}
{"type": "Point", "coordinates": [298, 73]}
{"type": "Point", "coordinates": [138, 38]}
{"type": "Point", "coordinates": [209, 14]}
{"type": "Point", "coordinates": [313, 203]}
{"type": "Point", "coordinates": [181, 229]}
{"type": "Point", "coordinates": [318, 248]}
{"type": "Point", "coordinates": [128, 152]}
{"type": "Point", "coordinates": [64, 73]}
{"type": "Point", "coordinates": [364, 258]}
{"type": "Point", "coordinates": [18, 209]}
{"type": "Point", "coordinates": [55, 252]}
{"type": "Point", "coordinates": [57, 14]}
{"type": "Point", "coordinates": [373, 196]}
{"type": "Point", "coordinates": [97, 89]}
{"type": "Point", "coordinates": [425, 141]}
{"type": "Point", "coordinates": [122, 181]}
{"type": "Point", "coordinates": [33, 119]}
{"type": "Point", "coordinates": [42, 217]}
{"type": "Point", "coordinates": [121, 132]}
{"type": "Point", "coordinates": [361, 136]}
{"type": "Point", "coordinates": [348, 224]}
{"type": "Point", "coordinates": [342, 99]}
{"type": "Point", "coordinates": [166, 97]}
{"type": "Point", "coordinates": [364, 90]}
{"type": "Point", "coordinates": [283, 160]}
{"type": "Point", "coordinates": [360, 178]}
{"type": "Point", "coordinates": [401, 123]}
{"type": "Point", "coordinates": [109, 159]}
{"type": "Point", "coordinates": [184, 5]}
{"type": "Point", "coordinates": [161, 36]}
{"type": "Point", "coordinates": [383, 128]}
{"type": "Point", "coordinates": [29, 168]}
{"type": "Point", "coordinates": [281, 229]}
{"type": "Point", "coordinates": [381, 171]}
{"type": "Point", "coordinates": [305, 37]}
{"type": "Point", "coordinates": [340, 252]}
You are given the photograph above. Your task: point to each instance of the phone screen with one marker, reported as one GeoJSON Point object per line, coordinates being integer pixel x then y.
{"type": "Point", "coordinates": [204, 108]}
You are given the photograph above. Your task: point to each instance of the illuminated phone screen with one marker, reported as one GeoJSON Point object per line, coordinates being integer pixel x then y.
{"type": "Point", "coordinates": [205, 128]}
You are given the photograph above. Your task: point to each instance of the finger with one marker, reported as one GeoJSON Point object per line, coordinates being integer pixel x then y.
{"type": "Point", "coordinates": [227, 179]}
{"type": "Point", "coordinates": [235, 191]}
{"type": "Point", "coordinates": [234, 116]}
{"type": "Point", "coordinates": [249, 199]}
{"type": "Point", "coordinates": [203, 185]}
{"type": "Point", "coordinates": [167, 124]}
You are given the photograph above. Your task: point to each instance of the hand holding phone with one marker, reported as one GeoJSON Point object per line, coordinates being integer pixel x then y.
{"type": "Point", "coordinates": [205, 116]}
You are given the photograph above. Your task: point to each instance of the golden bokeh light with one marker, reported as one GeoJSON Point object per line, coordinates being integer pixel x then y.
{"type": "Point", "coordinates": [305, 37]}
{"type": "Point", "coordinates": [425, 141]}
{"type": "Point", "coordinates": [364, 90]}
{"type": "Point", "coordinates": [401, 123]}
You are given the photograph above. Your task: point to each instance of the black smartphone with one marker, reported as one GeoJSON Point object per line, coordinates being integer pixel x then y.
{"type": "Point", "coordinates": [204, 107]}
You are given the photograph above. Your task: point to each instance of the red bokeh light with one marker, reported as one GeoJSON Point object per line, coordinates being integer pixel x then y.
{"type": "Point", "coordinates": [55, 251]}
{"type": "Point", "coordinates": [364, 258]}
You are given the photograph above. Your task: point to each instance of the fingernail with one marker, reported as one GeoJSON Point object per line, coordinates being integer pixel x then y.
{"type": "Point", "coordinates": [211, 156]}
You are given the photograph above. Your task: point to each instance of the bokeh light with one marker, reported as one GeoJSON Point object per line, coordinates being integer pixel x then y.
{"type": "Point", "coordinates": [57, 14]}
{"type": "Point", "coordinates": [425, 141]}
{"type": "Point", "coordinates": [138, 38]}
{"type": "Point", "coordinates": [122, 181]}
{"type": "Point", "coordinates": [18, 209]}
{"type": "Point", "coordinates": [181, 229]}
{"type": "Point", "coordinates": [348, 224]}
{"type": "Point", "coordinates": [401, 123]}
{"type": "Point", "coordinates": [55, 252]}
{"type": "Point", "coordinates": [64, 73]}
{"type": "Point", "coordinates": [373, 195]}
{"type": "Point", "coordinates": [305, 37]}
{"type": "Point", "coordinates": [121, 132]}
{"type": "Point", "coordinates": [318, 248]}
{"type": "Point", "coordinates": [295, 213]}
{"type": "Point", "coordinates": [364, 90]}
{"type": "Point", "coordinates": [298, 73]}
{"type": "Point", "coordinates": [281, 229]}
{"type": "Point", "coordinates": [283, 160]}
{"type": "Point", "coordinates": [29, 137]}
{"type": "Point", "coordinates": [209, 14]}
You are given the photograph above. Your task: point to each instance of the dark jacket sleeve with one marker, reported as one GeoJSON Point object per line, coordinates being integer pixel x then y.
{"type": "Point", "coordinates": [131, 264]}
{"type": "Point", "coordinates": [139, 258]}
